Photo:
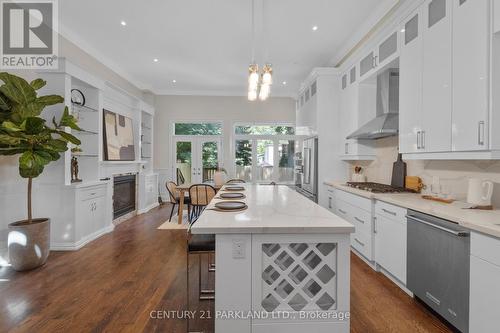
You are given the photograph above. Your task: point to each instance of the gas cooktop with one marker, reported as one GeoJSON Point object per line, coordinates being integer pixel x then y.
{"type": "Point", "coordinates": [378, 188]}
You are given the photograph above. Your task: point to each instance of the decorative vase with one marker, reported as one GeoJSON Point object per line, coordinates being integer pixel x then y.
{"type": "Point", "coordinates": [219, 178]}
{"type": "Point", "coordinates": [29, 243]}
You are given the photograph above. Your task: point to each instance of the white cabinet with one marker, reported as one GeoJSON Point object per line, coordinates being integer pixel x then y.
{"type": "Point", "coordinates": [90, 213]}
{"type": "Point", "coordinates": [382, 55]}
{"type": "Point", "coordinates": [390, 239]}
{"type": "Point", "coordinates": [471, 40]}
{"type": "Point", "coordinates": [410, 84]}
{"type": "Point", "coordinates": [307, 113]}
{"type": "Point", "coordinates": [437, 69]}
{"type": "Point", "coordinates": [330, 195]}
{"type": "Point", "coordinates": [358, 211]}
{"type": "Point", "coordinates": [388, 50]}
{"type": "Point", "coordinates": [484, 288]}
{"type": "Point", "coordinates": [445, 81]}
{"type": "Point", "coordinates": [353, 107]}
{"type": "Point", "coordinates": [367, 64]}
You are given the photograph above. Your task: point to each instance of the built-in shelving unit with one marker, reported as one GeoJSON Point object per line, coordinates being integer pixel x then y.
{"type": "Point", "coordinates": [147, 138]}
{"type": "Point", "coordinates": [89, 120]}
{"type": "Point", "coordinates": [88, 204]}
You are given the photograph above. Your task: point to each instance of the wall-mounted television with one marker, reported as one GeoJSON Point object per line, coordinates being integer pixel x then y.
{"type": "Point", "coordinates": [118, 137]}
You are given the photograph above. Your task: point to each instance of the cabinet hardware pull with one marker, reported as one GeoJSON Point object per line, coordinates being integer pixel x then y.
{"type": "Point", "coordinates": [480, 133]}
{"type": "Point", "coordinates": [453, 232]}
{"type": "Point", "coordinates": [374, 225]}
{"type": "Point", "coordinates": [423, 139]}
{"type": "Point", "coordinates": [389, 212]}
{"type": "Point", "coordinates": [419, 135]}
{"type": "Point", "coordinates": [330, 202]}
{"type": "Point", "coordinates": [342, 211]}
{"type": "Point", "coordinates": [360, 242]}
{"type": "Point", "coordinates": [347, 148]}
{"type": "Point", "coordinates": [93, 193]}
{"type": "Point", "coordinates": [359, 220]}
{"type": "Point", "coordinates": [432, 298]}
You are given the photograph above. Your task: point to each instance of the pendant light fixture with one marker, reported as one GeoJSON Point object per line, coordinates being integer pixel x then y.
{"type": "Point", "coordinates": [259, 84]}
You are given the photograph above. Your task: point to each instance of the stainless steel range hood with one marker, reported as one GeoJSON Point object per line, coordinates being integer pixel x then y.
{"type": "Point", "coordinates": [387, 121]}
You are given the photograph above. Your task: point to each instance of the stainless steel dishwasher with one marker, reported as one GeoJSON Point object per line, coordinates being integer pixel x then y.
{"type": "Point", "coordinates": [438, 266]}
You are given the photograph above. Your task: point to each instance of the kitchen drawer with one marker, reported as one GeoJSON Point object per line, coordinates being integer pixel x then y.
{"type": "Point", "coordinates": [390, 211]}
{"type": "Point", "coordinates": [362, 220]}
{"type": "Point", "coordinates": [362, 242]}
{"type": "Point", "coordinates": [485, 247]}
{"type": "Point", "coordinates": [344, 210]}
{"type": "Point", "coordinates": [355, 200]}
{"type": "Point", "coordinates": [93, 192]}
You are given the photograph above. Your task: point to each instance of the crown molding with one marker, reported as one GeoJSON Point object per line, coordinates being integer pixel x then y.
{"type": "Point", "coordinates": [219, 93]}
{"type": "Point", "coordinates": [365, 29]}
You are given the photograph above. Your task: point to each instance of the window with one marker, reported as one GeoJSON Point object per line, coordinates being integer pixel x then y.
{"type": "Point", "coordinates": [244, 160]}
{"type": "Point", "coordinates": [197, 129]}
{"type": "Point", "coordinates": [265, 153]}
{"type": "Point", "coordinates": [264, 130]}
{"type": "Point", "coordinates": [286, 152]}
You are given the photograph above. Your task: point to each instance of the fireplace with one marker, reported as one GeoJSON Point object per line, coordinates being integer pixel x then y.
{"type": "Point", "coordinates": [124, 195]}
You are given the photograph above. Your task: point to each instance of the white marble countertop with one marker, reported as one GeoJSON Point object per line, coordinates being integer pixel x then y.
{"type": "Point", "coordinates": [484, 221]}
{"type": "Point", "coordinates": [271, 210]}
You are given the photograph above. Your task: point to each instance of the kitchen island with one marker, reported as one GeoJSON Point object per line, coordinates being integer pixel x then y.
{"type": "Point", "coordinates": [282, 265]}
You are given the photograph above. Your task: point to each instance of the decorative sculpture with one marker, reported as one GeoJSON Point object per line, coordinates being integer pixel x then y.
{"type": "Point", "coordinates": [74, 170]}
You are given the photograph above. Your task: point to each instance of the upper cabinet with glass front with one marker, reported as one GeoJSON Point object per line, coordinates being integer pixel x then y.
{"type": "Point", "coordinates": [382, 55]}
{"type": "Point", "coordinates": [449, 69]}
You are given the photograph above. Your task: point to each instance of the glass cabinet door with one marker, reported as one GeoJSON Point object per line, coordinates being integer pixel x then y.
{"type": "Point", "coordinates": [366, 64]}
{"type": "Point", "coordinates": [388, 47]}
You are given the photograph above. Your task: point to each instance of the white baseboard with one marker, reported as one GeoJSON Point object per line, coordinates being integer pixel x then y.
{"type": "Point", "coordinates": [148, 208]}
{"type": "Point", "coordinates": [362, 257]}
{"type": "Point", "coordinates": [82, 242]}
{"type": "Point", "coordinates": [394, 280]}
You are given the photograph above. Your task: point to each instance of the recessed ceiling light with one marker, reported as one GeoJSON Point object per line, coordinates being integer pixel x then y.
{"type": "Point", "coordinates": [155, 60]}
{"type": "Point", "coordinates": [284, 83]}
{"type": "Point", "coordinates": [174, 81]}
{"type": "Point", "coordinates": [123, 23]}
{"type": "Point", "coordinates": [403, 30]}
{"type": "Point", "coordinates": [315, 28]}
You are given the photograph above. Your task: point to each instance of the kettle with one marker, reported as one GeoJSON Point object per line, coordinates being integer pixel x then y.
{"type": "Point", "coordinates": [480, 192]}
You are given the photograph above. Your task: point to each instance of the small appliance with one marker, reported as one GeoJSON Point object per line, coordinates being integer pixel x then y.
{"type": "Point", "coordinates": [480, 192]}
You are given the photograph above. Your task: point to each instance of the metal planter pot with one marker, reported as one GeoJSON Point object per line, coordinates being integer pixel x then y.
{"type": "Point", "coordinates": [29, 243]}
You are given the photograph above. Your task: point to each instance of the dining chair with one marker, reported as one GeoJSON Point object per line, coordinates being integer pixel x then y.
{"type": "Point", "coordinates": [236, 181]}
{"type": "Point", "coordinates": [174, 194]}
{"type": "Point", "coordinates": [200, 196]}
{"type": "Point", "coordinates": [200, 244]}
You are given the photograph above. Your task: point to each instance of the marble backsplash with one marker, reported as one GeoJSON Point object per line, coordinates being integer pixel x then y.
{"type": "Point", "coordinates": [453, 175]}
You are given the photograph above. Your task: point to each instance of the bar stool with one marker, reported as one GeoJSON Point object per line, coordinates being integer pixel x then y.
{"type": "Point", "coordinates": [200, 195]}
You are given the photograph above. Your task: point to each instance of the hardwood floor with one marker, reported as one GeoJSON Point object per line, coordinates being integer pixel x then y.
{"type": "Point", "coordinates": [117, 282]}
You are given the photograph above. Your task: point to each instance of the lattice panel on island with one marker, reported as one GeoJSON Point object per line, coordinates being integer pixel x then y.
{"type": "Point", "coordinates": [299, 276]}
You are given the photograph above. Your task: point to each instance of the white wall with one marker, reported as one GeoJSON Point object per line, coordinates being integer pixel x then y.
{"type": "Point", "coordinates": [207, 108]}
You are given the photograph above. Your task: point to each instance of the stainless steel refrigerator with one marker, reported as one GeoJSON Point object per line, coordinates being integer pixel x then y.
{"type": "Point", "coordinates": [309, 184]}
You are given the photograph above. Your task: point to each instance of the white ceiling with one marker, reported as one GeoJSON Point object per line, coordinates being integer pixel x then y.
{"type": "Point", "coordinates": [205, 45]}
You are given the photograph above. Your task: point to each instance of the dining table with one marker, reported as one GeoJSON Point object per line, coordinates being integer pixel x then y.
{"type": "Point", "coordinates": [183, 189]}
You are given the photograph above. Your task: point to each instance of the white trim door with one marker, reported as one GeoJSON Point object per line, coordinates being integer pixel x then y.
{"type": "Point", "coordinates": [195, 158]}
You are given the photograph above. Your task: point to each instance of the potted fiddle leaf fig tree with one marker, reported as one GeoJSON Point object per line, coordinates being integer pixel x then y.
{"type": "Point", "coordinates": [25, 133]}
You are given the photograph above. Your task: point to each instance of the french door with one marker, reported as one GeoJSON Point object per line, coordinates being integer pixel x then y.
{"type": "Point", "coordinates": [196, 159]}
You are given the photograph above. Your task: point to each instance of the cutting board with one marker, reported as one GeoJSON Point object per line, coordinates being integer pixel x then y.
{"type": "Point", "coordinates": [398, 172]}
